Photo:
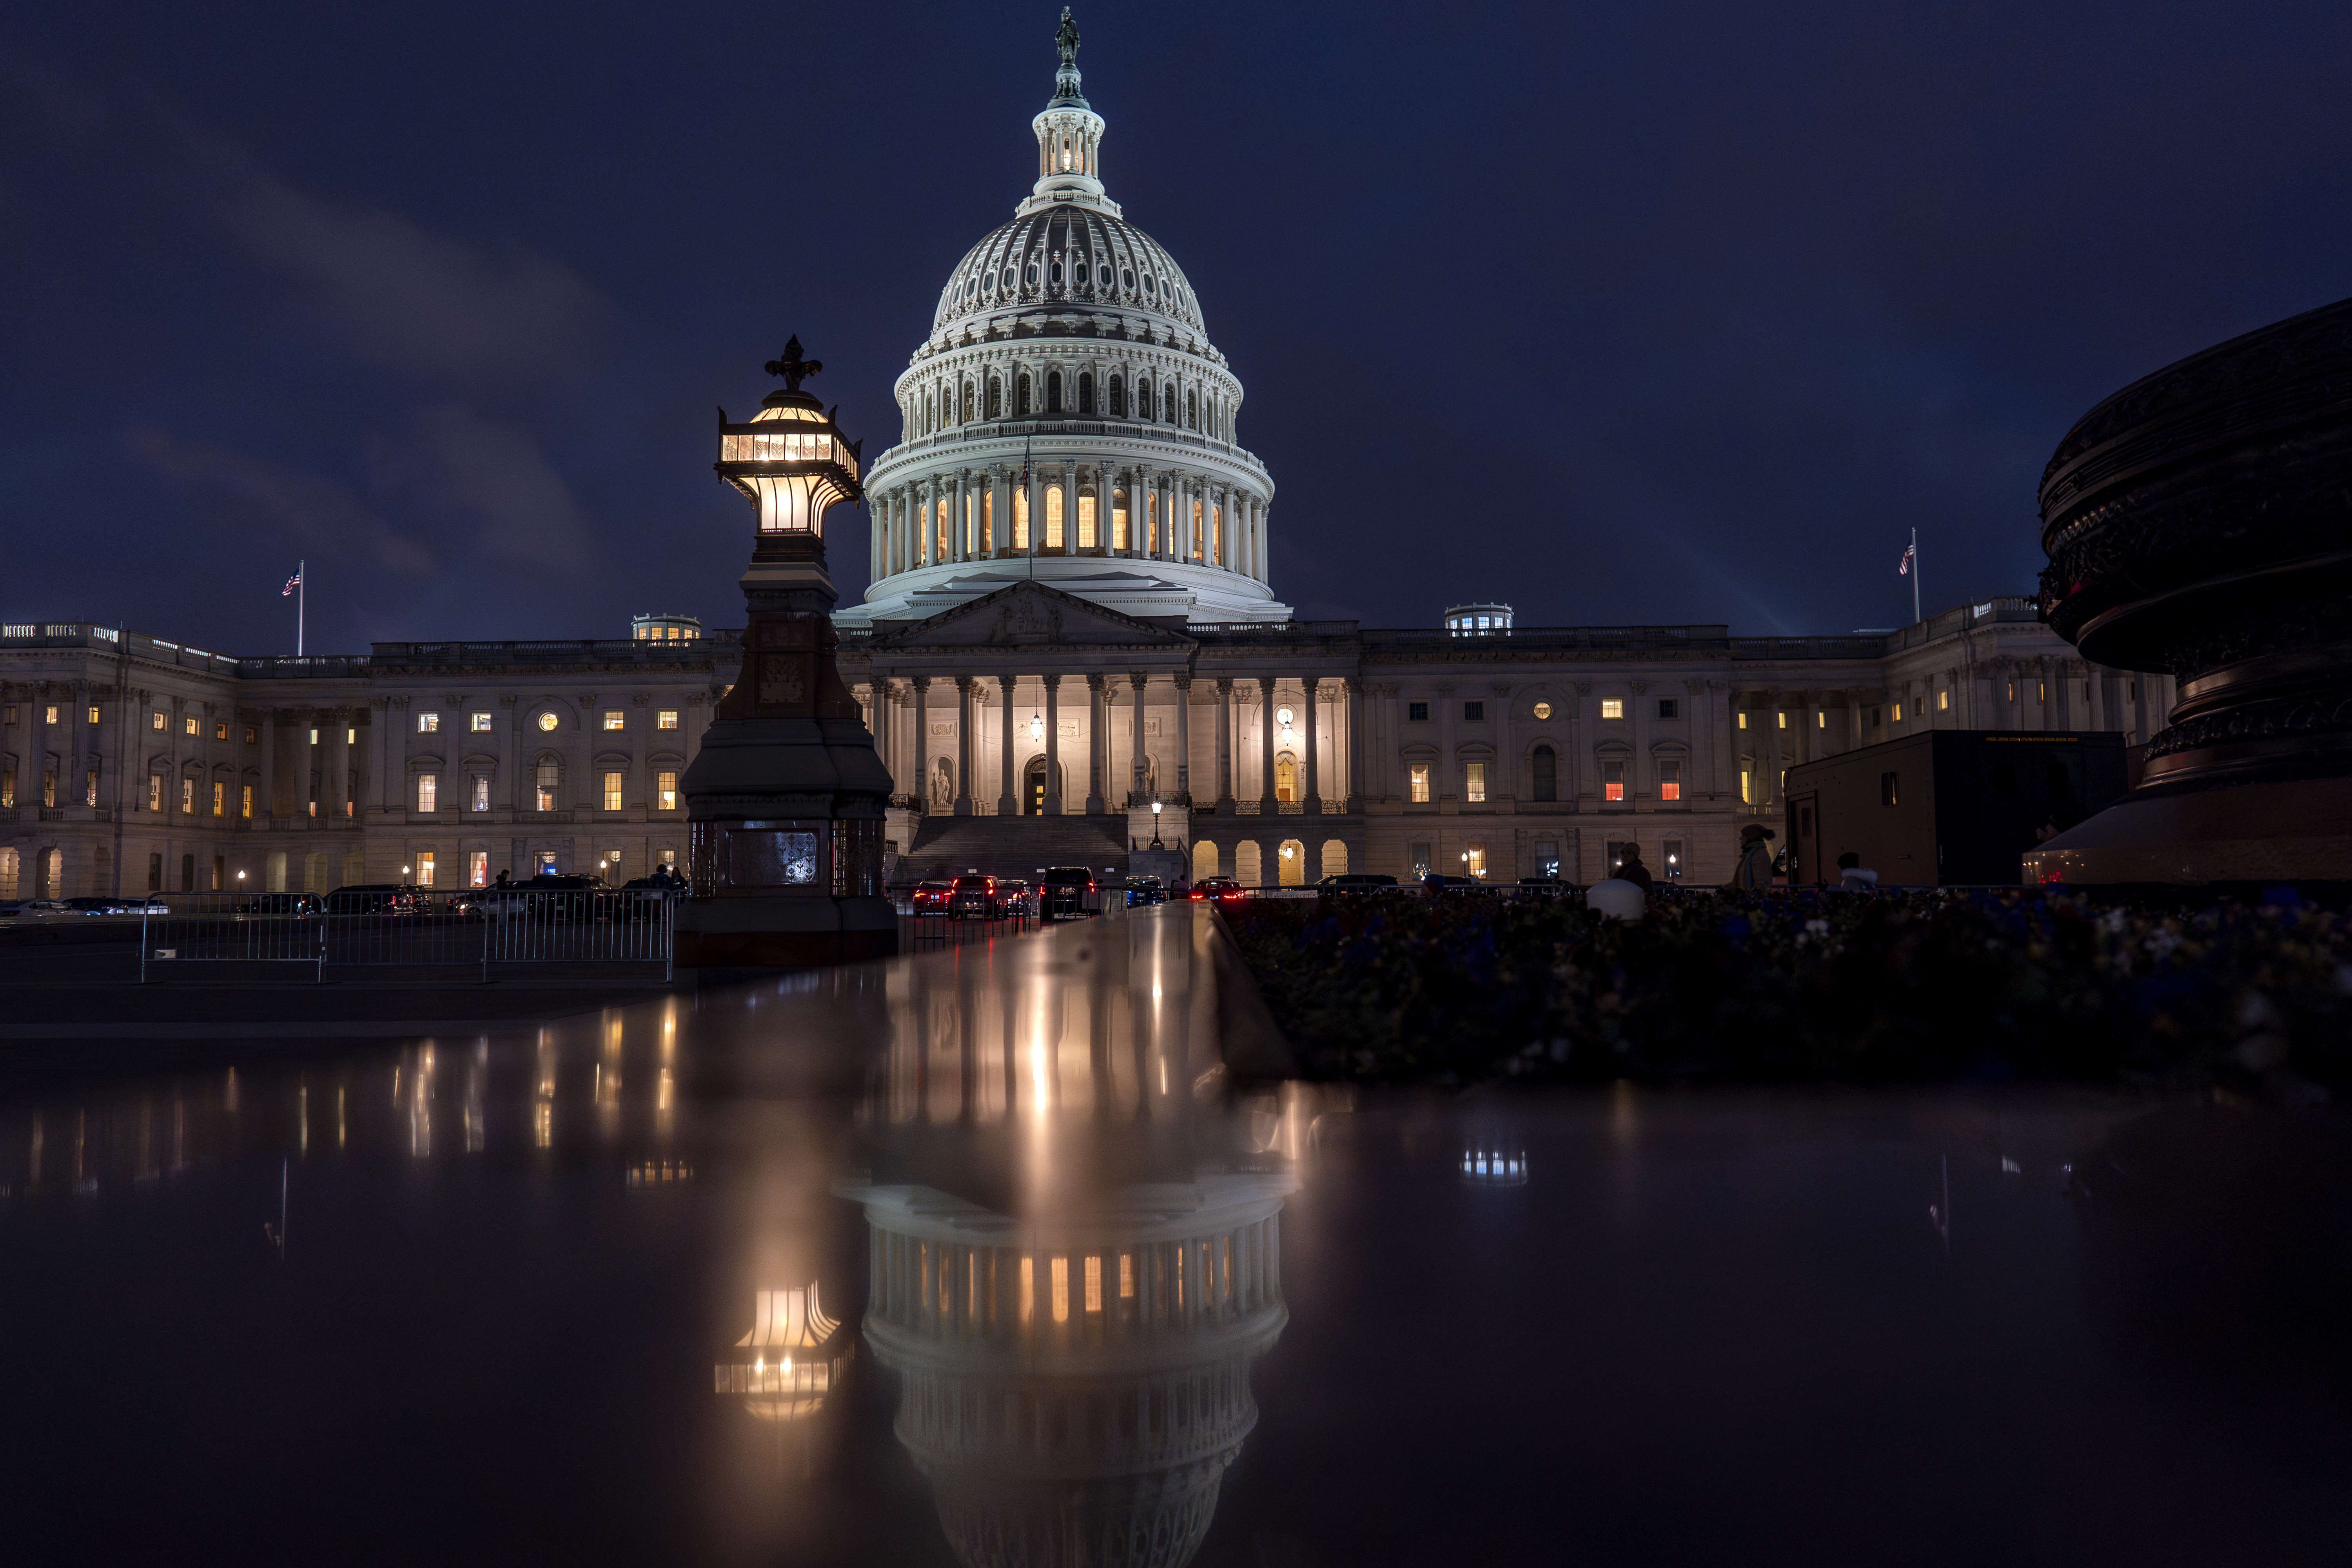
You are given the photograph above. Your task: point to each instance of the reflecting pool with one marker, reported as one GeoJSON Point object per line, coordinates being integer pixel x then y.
{"type": "Point", "coordinates": [988, 1256]}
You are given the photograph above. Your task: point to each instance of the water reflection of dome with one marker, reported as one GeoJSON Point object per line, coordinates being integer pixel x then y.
{"type": "Point", "coordinates": [1496, 1166]}
{"type": "Point", "coordinates": [797, 1354]}
{"type": "Point", "coordinates": [1074, 1384]}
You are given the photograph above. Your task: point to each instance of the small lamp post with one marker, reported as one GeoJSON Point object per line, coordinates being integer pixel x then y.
{"type": "Point", "coordinates": [1155, 826]}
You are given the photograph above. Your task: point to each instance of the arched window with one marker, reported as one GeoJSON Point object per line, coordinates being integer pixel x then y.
{"type": "Point", "coordinates": [1086, 393]}
{"type": "Point", "coordinates": [966, 418]}
{"type": "Point", "coordinates": [1053, 392]}
{"type": "Point", "coordinates": [995, 399]}
{"type": "Point", "coordinates": [1021, 395]}
{"type": "Point", "coordinates": [1192, 409]}
{"type": "Point", "coordinates": [1118, 399]}
{"type": "Point", "coordinates": [1546, 774]}
{"type": "Point", "coordinates": [925, 427]}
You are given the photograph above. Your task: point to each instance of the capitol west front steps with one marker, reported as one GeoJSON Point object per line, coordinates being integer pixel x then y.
{"type": "Point", "coordinates": [1013, 847]}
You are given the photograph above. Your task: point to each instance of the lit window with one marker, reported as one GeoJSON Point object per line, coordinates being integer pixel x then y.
{"type": "Point", "coordinates": [49, 714]}
{"type": "Point", "coordinates": [1781, 719]}
{"type": "Point", "coordinates": [551, 775]}
{"type": "Point", "coordinates": [547, 720]}
{"type": "Point", "coordinates": [93, 712]}
{"type": "Point", "coordinates": [1061, 1267]}
{"type": "Point", "coordinates": [426, 723]}
{"type": "Point", "coordinates": [1822, 719]}
{"type": "Point", "coordinates": [1474, 857]}
{"type": "Point", "coordinates": [1898, 712]}
{"type": "Point", "coordinates": [1673, 853]}
{"type": "Point", "coordinates": [428, 792]}
{"type": "Point", "coordinates": [668, 720]}
{"type": "Point", "coordinates": [2013, 692]}
{"type": "Point", "coordinates": [159, 722]}
{"type": "Point", "coordinates": [188, 725]}
{"type": "Point", "coordinates": [1943, 701]}
{"type": "Point", "coordinates": [1613, 781]}
{"type": "Point", "coordinates": [1743, 720]}
{"type": "Point", "coordinates": [1670, 780]}
{"type": "Point", "coordinates": [155, 792]}
{"type": "Point", "coordinates": [1543, 710]}
{"type": "Point", "coordinates": [477, 869]}
{"type": "Point", "coordinates": [245, 802]}
{"type": "Point", "coordinates": [314, 737]}
{"type": "Point", "coordinates": [1420, 779]}
{"type": "Point", "coordinates": [1612, 708]}
{"type": "Point", "coordinates": [666, 791]}
{"type": "Point", "coordinates": [2041, 691]}
{"type": "Point", "coordinates": [187, 797]}
{"type": "Point", "coordinates": [481, 792]}
{"type": "Point", "coordinates": [252, 735]}
{"type": "Point", "coordinates": [1475, 785]}
{"type": "Point", "coordinates": [424, 868]}
{"type": "Point", "coordinates": [220, 731]}
{"type": "Point", "coordinates": [612, 719]}
{"type": "Point", "coordinates": [481, 722]}
{"type": "Point", "coordinates": [1747, 787]}
{"type": "Point", "coordinates": [612, 792]}
{"type": "Point", "coordinates": [351, 737]}
{"type": "Point", "coordinates": [1094, 1284]}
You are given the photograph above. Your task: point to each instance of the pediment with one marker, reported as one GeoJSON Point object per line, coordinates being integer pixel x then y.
{"type": "Point", "coordinates": [1030, 615]}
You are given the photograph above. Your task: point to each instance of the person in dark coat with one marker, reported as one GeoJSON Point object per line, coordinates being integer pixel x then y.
{"type": "Point", "coordinates": [1631, 869]}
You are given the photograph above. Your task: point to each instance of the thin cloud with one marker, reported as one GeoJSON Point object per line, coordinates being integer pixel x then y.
{"type": "Point", "coordinates": [488, 478]}
{"type": "Point", "coordinates": [312, 510]}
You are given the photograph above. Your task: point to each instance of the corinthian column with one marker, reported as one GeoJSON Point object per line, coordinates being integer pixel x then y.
{"type": "Point", "coordinates": [1224, 784]}
{"type": "Point", "coordinates": [1184, 738]}
{"type": "Point", "coordinates": [1314, 802]}
{"type": "Point", "coordinates": [1135, 789]}
{"type": "Point", "coordinates": [1266, 805]}
{"type": "Point", "coordinates": [963, 745]}
{"type": "Point", "coordinates": [1094, 745]}
{"type": "Point", "coordinates": [1005, 803]}
{"type": "Point", "coordinates": [1053, 728]}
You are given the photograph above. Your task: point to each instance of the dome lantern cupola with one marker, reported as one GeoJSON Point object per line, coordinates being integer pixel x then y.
{"type": "Point", "coordinates": [1069, 136]}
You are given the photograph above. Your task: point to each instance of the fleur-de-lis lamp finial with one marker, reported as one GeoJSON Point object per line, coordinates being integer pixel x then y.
{"type": "Point", "coordinates": [791, 367]}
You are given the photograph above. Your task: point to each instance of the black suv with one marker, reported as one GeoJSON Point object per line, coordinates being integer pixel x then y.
{"type": "Point", "coordinates": [1064, 890]}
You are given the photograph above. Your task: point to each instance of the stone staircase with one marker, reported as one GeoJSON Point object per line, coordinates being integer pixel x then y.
{"type": "Point", "coordinates": [948, 846]}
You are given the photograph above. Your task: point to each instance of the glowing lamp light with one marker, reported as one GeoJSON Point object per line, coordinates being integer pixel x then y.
{"type": "Point", "coordinates": [1286, 851]}
{"type": "Point", "coordinates": [240, 875]}
{"type": "Point", "coordinates": [1155, 811]}
{"type": "Point", "coordinates": [1281, 716]}
{"type": "Point", "coordinates": [791, 460]}
{"type": "Point", "coordinates": [1036, 728]}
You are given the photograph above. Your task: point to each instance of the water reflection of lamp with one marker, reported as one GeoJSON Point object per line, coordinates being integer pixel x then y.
{"type": "Point", "coordinates": [797, 1355]}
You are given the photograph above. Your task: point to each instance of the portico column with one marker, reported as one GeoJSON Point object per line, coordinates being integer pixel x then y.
{"type": "Point", "coordinates": [963, 745]}
{"type": "Point", "coordinates": [1266, 805]}
{"type": "Point", "coordinates": [337, 785]}
{"type": "Point", "coordinates": [1184, 738]}
{"type": "Point", "coordinates": [1036, 493]}
{"type": "Point", "coordinates": [269, 763]}
{"type": "Point", "coordinates": [1007, 806]}
{"type": "Point", "coordinates": [35, 763]}
{"type": "Point", "coordinates": [1224, 746]}
{"type": "Point", "coordinates": [1355, 794]}
{"type": "Point", "coordinates": [1313, 803]}
{"type": "Point", "coordinates": [922, 791]}
{"type": "Point", "coordinates": [1054, 719]}
{"type": "Point", "coordinates": [1135, 789]}
{"type": "Point", "coordinates": [1094, 745]}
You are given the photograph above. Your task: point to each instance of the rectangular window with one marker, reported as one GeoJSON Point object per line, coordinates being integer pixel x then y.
{"type": "Point", "coordinates": [1548, 858]}
{"type": "Point", "coordinates": [90, 787]}
{"type": "Point", "coordinates": [481, 721]}
{"type": "Point", "coordinates": [1612, 708]}
{"type": "Point", "coordinates": [2013, 692]}
{"type": "Point", "coordinates": [427, 724]}
{"type": "Point", "coordinates": [1474, 782]}
{"type": "Point", "coordinates": [1127, 1277]}
{"type": "Point", "coordinates": [1028, 1289]}
{"type": "Point", "coordinates": [154, 792]}
{"type": "Point", "coordinates": [1822, 719]}
{"type": "Point", "coordinates": [481, 792]}
{"type": "Point", "coordinates": [1887, 793]}
{"type": "Point", "coordinates": [612, 792]}
{"type": "Point", "coordinates": [477, 869]}
{"type": "Point", "coordinates": [188, 725]}
{"type": "Point", "coordinates": [1743, 720]}
{"type": "Point", "coordinates": [93, 712]}
{"type": "Point", "coordinates": [1673, 861]}
{"type": "Point", "coordinates": [314, 735]}
{"type": "Point", "coordinates": [1094, 1284]}
{"type": "Point", "coordinates": [1085, 523]}
{"type": "Point", "coordinates": [7, 786]}
{"type": "Point", "coordinates": [1943, 701]}
{"type": "Point", "coordinates": [1474, 710]}
{"type": "Point", "coordinates": [1418, 775]}
{"type": "Point", "coordinates": [155, 872]}
{"type": "Point", "coordinates": [1613, 781]}
{"type": "Point", "coordinates": [7, 713]}
{"type": "Point", "coordinates": [1474, 857]}
{"type": "Point", "coordinates": [550, 777]}
{"type": "Point", "coordinates": [1898, 712]}
{"type": "Point", "coordinates": [1118, 521]}
{"type": "Point", "coordinates": [615, 719]}
{"type": "Point", "coordinates": [1670, 780]}
{"type": "Point", "coordinates": [669, 858]}
{"type": "Point", "coordinates": [1417, 712]}
{"type": "Point", "coordinates": [668, 720]}
{"type": "Point", "coordinates": [48, 786]}
{"type": "Point", "coordinates": [666, 791]}
{"type": "Point", "coordinates": [49, 714]}
{"type": "Point", "coordinates": [2041, 691]}
{"type": "Point", "coordinates": [1670, 706]}
{"type": "Point", "coordinates": [187, 797]}
{"type": "Point", "coordinates": [1421, 859]}
{"type": "Point", "coordinates": [245, 802]}
{"type": "Point", "coordinates": [428, 792]}
{"type": "Point", "coordinates": [1747, 787]}
{"type": "Point", "coordinates": [157, 724]}
{"type": "Point", "coordinates": [351, 737]}
{"type": "Point", "coordinates": [424, 868]}
{"type": "Point", "coordinates": [1782, 718]}
{"type": "Point", "coordinates": [220, 731]}
{"type": "Point", "coordinates": [1053, 516]}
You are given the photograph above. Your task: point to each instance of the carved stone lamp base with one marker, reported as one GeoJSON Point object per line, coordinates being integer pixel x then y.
{"type": "Point", "coordinates": [2293, 830]}
{"type": "Point", "coordinates": [787, 931]}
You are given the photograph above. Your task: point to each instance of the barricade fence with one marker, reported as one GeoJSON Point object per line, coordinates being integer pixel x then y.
{"type": "Point", "coordinates": [477, 928]}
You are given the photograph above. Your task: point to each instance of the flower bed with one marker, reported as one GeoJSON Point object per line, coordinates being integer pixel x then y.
{"type": "Point", "coordinates": [1903, 986]}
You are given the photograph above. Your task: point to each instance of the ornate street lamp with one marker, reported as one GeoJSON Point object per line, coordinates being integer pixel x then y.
{"type": "Point", "coordinates": [785, 799]}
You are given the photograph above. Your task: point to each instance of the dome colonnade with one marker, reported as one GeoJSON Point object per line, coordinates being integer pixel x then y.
{"type": "Point", "coordinates": [1068, 412]}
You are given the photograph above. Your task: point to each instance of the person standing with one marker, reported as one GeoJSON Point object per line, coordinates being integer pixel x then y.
{"type": "Point", "coordinates": [1753, 874]}
{"type": "Point", "coordinates": [1631, 869]}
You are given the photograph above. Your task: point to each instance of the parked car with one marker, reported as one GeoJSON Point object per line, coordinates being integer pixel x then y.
{"type": "Point", "coordinates": [974, 897]}
{"type": "Point", "coordinates": [36, 906]}
{"type": "Point", "coordinates": [1016, 898]}
{"type": "Point", "coordinates": [374, 899]}
{"type": "Point", "coordinates": [137, 904]}
{"type": "Point", "coordinates": [1143, 890]}
{"type": "Point", "coordinates": [1219, 890]}
{"type": "Point", "coordinates": [1065, 889]}
{"type": "Point", "coordinates": [265, 904]}
{"type": "Point", "coordinates": [1356, 883]}
{"type": "Point", "coordinates": [931, 898]}
{"type": "Point", "coordinates": [550, 896]}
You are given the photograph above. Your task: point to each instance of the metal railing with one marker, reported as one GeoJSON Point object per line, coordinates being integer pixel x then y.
{"type": "Point", "coordinates": [414, 927]}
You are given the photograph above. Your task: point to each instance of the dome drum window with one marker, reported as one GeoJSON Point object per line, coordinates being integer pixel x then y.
{"type": "Point", "coordinates": [1054, 392]}
{"type": "Point", "coordinates": [1125, 277]}
{"type": "Point", "coordinates": [1021, 395]}
{"type": "Point", "coordinates": [1086, 393]}
{"type": "Point", "coordinates": [1032, 275]}
{"type": "Point", "coordinates": [1118, 399]}
{"type": "Point", "coordinates": [995, 399]}
{"type": "Point", "coordinates": [1054, 273]}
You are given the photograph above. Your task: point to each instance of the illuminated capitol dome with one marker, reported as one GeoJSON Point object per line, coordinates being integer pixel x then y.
{"type": "Point", "coordinates": [1068, 420]}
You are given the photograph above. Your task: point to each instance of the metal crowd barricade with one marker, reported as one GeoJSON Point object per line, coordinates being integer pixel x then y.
{"type": "Point", "coordinates": [415, 928]}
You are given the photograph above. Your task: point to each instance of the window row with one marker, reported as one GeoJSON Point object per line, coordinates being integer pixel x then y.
{"type": "Point", "coordinates": [1610, 708]}
{"type": "Point", "coordinates": [1154, 402]}
{"type": "Point", "coordinates": [51, 714]}
{"type": "Point", "coordinates": [1544, 771]}
{"type": "Point", "coordinates": [429, 722]}
{"type": "Point", "coordinates": [1057, 273]}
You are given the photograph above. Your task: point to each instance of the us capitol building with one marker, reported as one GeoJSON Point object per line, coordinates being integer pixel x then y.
{"type": "Point", "coordinates": [1072, 620]}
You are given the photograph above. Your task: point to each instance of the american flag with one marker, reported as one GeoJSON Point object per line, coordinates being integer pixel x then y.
{"type": "Point", "coordinates": [1902, 567]}
{"type": "Point", "coordinates": [291, 583]}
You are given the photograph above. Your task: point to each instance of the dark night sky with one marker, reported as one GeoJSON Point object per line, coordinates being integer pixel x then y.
{"type": "Point", "coordinates": [1683, 312]}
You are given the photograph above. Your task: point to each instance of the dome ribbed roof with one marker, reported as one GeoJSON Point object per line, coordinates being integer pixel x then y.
{"type": "Point", "coordinates": [1122, 268]}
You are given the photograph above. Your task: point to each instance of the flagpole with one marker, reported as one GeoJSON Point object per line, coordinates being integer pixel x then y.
{"type": "Point", "coordinates": [1915, 616]}
{"type": "Point", "coordinates": [302, 597]}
